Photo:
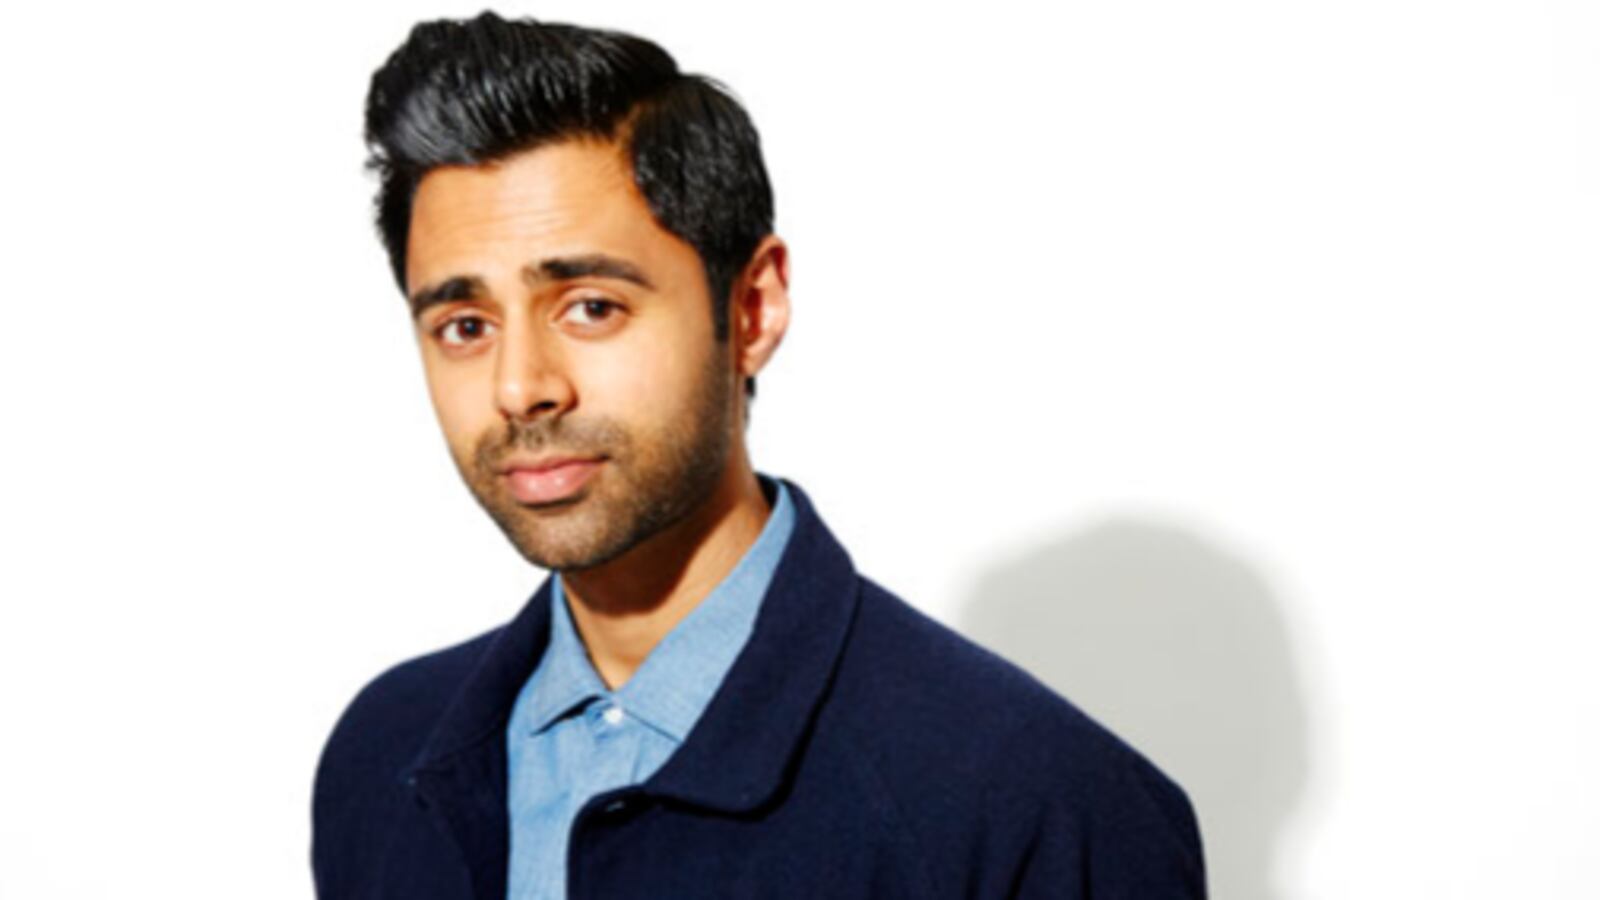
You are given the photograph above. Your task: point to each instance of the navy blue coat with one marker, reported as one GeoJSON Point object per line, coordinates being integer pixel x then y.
{"type": "Point", "coordinates": [857, 749]}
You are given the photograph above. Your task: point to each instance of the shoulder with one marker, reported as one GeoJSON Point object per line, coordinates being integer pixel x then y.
{"type": "Point", "coordinates": [979, 752]}
{"type": "Point", "coordinates": [390, 718]}
{"type": "Point", "coordinates": [906, 668]}
{"type": "Point", "coordinates": [359, 793]}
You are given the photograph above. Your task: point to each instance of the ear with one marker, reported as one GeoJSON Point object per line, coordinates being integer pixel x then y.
{"type": "Point", "coordinates": [760, 310]}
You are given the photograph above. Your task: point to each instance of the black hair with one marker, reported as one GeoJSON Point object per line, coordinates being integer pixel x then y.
{"type": "Point", "coordinates": [467, 92]}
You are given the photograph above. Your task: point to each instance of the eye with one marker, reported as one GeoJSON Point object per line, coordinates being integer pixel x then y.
{"type": "Point", "coordinates": [592, 312]}
{"type": "Point", "coordinates": [462, 330]}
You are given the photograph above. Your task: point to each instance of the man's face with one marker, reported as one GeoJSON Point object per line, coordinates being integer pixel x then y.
{"type": "Point", "coordinates": [559, 321]}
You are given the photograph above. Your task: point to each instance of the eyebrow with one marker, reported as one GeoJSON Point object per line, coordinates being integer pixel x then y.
{"type": "Point", "coordinates": [591, 265]}
{"type": "Point", "coordinates": [555, 268]}
{"type": "Point", "coordinates": [460, 287]}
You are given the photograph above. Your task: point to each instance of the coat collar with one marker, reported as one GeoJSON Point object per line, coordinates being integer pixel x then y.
{"type": "Point", "coordinates": [736, 756]}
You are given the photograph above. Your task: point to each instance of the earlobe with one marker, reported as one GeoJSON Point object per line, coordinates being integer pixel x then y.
{"type": "Point", "coordinates": [762, 307]}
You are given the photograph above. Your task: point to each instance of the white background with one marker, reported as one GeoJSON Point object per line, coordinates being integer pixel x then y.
{"type": "Point", "coordinates": [1230, 364]}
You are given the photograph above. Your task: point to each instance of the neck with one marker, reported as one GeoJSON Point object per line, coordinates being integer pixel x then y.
{"type": "Point", "coordinates": [623, 608]}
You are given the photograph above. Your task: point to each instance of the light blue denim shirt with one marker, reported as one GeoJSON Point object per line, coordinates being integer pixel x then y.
{"type": "Point", "coordinates": [570, 738]}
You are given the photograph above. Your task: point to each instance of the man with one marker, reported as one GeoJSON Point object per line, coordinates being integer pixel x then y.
{"type": "Point", "coordinates": [704, 699]}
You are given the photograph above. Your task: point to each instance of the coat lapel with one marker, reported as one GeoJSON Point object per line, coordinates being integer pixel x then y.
{"type": "Point", "coordinates": [736, 757]}
{"type": "Point", "coordinates": [460, 775]}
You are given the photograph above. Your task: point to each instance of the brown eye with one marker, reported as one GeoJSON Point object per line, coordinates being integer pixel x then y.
{"type": "Point", "coordinates": [462, 330]}
{"type": "Point", "coordinates": [593, 311]}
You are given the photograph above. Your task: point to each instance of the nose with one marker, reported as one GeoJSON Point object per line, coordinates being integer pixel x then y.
{"type": "Point", "coordinates": [530, 376]}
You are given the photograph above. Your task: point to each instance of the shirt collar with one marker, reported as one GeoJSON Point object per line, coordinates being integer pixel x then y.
{"type": "Point", "coordinates": [676, 682]}
{"type": "Point", "coordinates": [565, 678]}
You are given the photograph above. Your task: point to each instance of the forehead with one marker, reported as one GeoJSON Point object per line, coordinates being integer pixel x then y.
{"type": "Point", "coordinates": [568, 198]}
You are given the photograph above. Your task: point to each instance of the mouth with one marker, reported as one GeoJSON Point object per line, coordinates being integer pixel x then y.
{"type": "Point", "coordinates": [550, 481]}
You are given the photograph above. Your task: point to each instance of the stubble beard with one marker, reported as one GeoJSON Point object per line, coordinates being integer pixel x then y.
{"type": "Point", "coordinates": [649, 481]}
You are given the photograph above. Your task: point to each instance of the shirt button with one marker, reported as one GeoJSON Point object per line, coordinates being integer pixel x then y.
{"type": "Point", "coordinates": [612, 715]}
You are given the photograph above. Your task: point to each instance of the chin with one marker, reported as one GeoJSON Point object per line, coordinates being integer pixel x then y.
{"type": "Point", "coordinates": [569, 545]}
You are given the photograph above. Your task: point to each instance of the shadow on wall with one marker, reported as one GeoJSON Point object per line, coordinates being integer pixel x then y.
{"type": "Point", "coordinates": [1180, 649]}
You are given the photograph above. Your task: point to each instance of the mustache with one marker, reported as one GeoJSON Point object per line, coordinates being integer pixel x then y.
{"type": "Point", "coordinates": [590, 437]}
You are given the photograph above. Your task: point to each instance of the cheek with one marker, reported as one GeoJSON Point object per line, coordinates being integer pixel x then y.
{"type": "Point", "coordinates": [463, 404]}
{"type": "Point", "coordinates": [649, 379]}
